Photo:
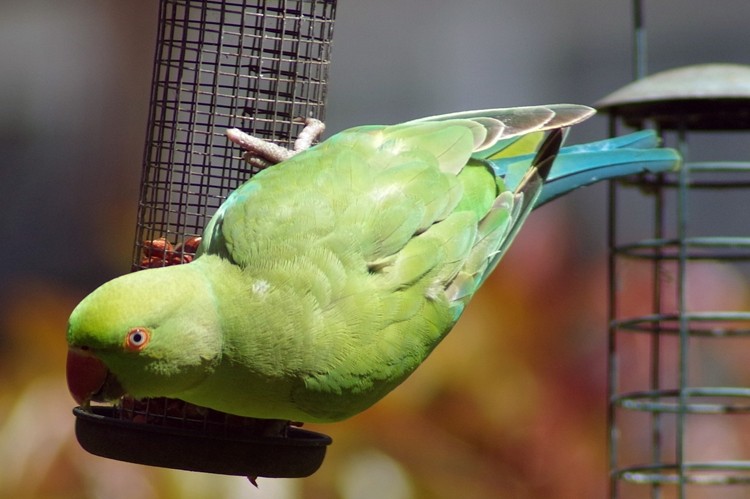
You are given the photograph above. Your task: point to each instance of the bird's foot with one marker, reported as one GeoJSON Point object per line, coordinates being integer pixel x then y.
{"type": "Point", "coordinates": [262, 153]}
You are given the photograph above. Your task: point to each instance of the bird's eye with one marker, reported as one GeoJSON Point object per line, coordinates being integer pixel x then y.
{"type": "Point", "coordinates": [137, 339]}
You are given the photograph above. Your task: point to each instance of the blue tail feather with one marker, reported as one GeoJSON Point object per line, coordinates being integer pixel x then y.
{"type": "Point", "coordinates": [580, 165]}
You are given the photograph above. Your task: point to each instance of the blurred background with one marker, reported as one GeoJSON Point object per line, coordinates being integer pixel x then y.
{"type": "Point", "coordinates": [512, 404]}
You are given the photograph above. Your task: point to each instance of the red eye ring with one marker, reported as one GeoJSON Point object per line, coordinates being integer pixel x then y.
{"type": "Point", "coordinates": [137, 339]}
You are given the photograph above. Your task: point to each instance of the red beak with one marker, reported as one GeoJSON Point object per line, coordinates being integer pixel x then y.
{"type": "Point", "coordinates": [86, 375]}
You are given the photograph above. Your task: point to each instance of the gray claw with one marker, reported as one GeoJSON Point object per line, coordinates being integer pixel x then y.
{"type": "Point", "coordinates": [262, 153]}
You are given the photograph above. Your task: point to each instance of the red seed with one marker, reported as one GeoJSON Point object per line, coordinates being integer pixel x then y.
{"type": "Point", "coordinates": [191, 244]}
{"type": "Point", "coordinates": [152, 262]}
{"type": "Point", "coordinates": [156, 247]}
{"type": "Point", "coordinates": [174, 259]}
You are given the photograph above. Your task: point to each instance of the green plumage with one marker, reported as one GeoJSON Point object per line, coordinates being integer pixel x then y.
{"type": "Point", "coordinates": [325, 280]}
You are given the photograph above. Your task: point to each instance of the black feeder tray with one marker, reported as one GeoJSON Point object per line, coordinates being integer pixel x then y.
{"type": "Point", "coordinates": [298, 454]}
{"type": "Point", "coordinates": [699, 97]}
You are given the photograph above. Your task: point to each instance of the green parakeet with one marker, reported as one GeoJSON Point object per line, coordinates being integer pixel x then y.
{"type": "Point", "coordinates": [324, 281]}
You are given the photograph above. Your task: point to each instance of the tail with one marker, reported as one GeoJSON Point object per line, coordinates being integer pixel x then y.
{"type": "Point", "coordinates": [581, 165]}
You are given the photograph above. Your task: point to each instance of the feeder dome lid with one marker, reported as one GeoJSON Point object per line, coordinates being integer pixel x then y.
{"type": "Point", "coordinates": [703, 97]}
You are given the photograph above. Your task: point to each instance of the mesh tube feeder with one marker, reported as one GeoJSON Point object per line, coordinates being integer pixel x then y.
{"type": "Point", "coordinates": [666, 348]}
{"type": "Point", "coordinates": [257, 65]}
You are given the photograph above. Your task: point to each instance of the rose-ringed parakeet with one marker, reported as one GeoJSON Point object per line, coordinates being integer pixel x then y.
{"type": "Point", "coordinates": [325, 280]}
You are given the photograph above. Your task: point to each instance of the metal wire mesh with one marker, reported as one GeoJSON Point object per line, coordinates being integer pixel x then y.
{"type": "Point", "coordinates": [260, 66]}
{"type": "Point", "coordinates": [666, 354]}
{"type": "Point", "coordinates": [676, 408]}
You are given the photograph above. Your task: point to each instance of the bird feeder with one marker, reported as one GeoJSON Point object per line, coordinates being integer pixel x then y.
{"type": "Point", "coordinates": [261, 66]}
{"type": "Point", "coordinates": [677, 322]}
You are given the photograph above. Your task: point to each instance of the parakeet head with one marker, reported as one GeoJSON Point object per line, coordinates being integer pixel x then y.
{"type": "Point", "coordinates": [149, 333]}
